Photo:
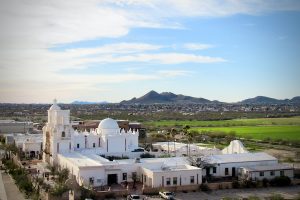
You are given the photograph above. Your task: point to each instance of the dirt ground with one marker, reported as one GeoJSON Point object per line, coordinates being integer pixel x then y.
{"type": "Point", "coordinates": [291, 192]}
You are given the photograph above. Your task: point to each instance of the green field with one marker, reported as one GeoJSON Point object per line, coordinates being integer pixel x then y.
{"type": "Point", "coordinates": [259, 132]}
{"type": "Point", "coordinates": [226, 123]}
{"type": "Point", "coordinates": [262, 128]}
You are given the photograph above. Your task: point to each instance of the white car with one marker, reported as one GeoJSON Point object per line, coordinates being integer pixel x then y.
{"type": "Point", "coordinates": [166, 195]}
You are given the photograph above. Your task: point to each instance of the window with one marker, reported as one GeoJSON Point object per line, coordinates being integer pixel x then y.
{"type": "Point", "coordinates": [168, 181]}
{"type": "Point", "coordinates": [99, 142]}
{"type": "Point", "coordinates": [174, 180]}
{"type": "Point", "coordinates": [272, 173]}
{"type": "Point", "coordinates": [192, 178]}
{"type": "Point", "coordinates": [78, 146]}
{"type": "Point", "coordinates": [124, 176]}
{"type": "Point", "coordinates": [94, 145]}
{"type": "Point", "coordinates": [63, 134]}
{"type": "Point", "coordinates": [226, 171]}
{"type": "Point", "coordinates": [214, 170]}
{"type": "Point", "coordinates": [261, 174]}
{"type": "Point", "coordinates": [91, 180]}
{"type": "Point", "coordinates": [281, 173]}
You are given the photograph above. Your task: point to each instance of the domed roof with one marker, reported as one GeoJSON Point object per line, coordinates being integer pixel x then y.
{"type": "Point", "coordinates": [108, 123]}
{"type": "Point", "coordinates": [54, 106]}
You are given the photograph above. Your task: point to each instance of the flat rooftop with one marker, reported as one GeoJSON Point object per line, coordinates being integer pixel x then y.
{"type": "Point", "coordinates": [85, 160]}
{"type": "Point", "coordinates": [241, 157]}
{"type": "Point", "coordinates": [268, 168]}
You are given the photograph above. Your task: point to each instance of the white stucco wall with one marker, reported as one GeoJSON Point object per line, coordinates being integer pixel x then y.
{"type": "Point", "coordinates": [220, 171]}
{"type": "Point", "coordinates": [159, 178]}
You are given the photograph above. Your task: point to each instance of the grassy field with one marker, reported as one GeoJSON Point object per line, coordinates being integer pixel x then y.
{"type": "Point", "coordinates": [262, 128]}
{"type": "Point", "coordinates": [227, 123]}
{"type": "Point", "coordinates": [259, 132]}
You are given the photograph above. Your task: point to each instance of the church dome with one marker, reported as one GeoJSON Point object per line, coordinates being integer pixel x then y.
{"type": "Point", "coordinates": [108, 123]}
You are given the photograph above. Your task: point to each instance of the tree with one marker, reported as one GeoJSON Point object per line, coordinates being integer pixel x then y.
{"type": "Point", "coordinates": [63, 175]}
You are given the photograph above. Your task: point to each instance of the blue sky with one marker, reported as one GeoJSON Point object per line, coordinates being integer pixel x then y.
{"type": "Point", "coordinates": [115, 50]}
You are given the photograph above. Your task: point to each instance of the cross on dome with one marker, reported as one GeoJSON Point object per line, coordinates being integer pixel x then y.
{"type": "Point", "coordinates": [54, 106]}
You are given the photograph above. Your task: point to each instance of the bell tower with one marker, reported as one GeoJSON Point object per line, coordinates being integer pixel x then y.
{"type": "Point", "coordinates": [56, 134]}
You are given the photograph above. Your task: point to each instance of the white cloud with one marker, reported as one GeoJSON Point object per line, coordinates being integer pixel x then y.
{"type": "Point", "coordinates": [174, 73]}
{"type": "Point", "coordinates": [197, 46]}
{"type": "Point", "coordinates": [29, 28]}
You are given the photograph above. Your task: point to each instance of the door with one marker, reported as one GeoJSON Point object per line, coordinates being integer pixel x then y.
{"type": "Point", "coordinates": [207, 171]}
{"type": "Point", "coordinates": [112, 179]}
{"type": "Point", "coordinates": [233, 172]}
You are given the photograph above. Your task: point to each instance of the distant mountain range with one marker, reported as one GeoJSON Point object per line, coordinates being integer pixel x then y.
{"type": "Point", "coordinates": [88, 102]}
{"type": "Point", "coordinates": [153, 97]}
{"type": "Point", "coordinates": [268, 100]}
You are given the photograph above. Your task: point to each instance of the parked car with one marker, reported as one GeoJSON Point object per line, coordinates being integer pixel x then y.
{"type": "Point", "coordinates": [138, 150]}
{"type": "Point", "coordinates": [166, 195]}
{"type": "Point", "coordinates": [133, 196]}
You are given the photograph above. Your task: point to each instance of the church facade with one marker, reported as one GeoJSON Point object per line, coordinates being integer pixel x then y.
{"type": "Point", "coordinates": [60, 138]}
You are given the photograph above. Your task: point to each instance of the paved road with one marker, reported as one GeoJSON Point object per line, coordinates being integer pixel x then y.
{"type": "Point", "coordinates": [3, 195]}
{"type": "Point", "coordinates": [12, 191]}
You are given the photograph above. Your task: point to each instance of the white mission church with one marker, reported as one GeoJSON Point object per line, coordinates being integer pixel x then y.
{"type": "Point", "coordinates": [80, 153]}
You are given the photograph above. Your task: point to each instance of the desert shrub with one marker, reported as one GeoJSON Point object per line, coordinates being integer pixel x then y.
{"type": "Point", "coordinates": [265, 182]}
{"type": "Point", "coordinates": [147, 155]}
{"type": "Point", "coordinates": [248, 184]}
{"type": "Point", "coordinates": [253, 198]}
{"type": "Point", "coordinates": [235, 184]}
{"type": "Point", "coordinates": [280, 181]}
{"type": "Point", "coordinates": [58, 190]}
{"type": "Point", "coordinates": [276, 197]}
{"type": "Point", "coordinates": [204, 187]}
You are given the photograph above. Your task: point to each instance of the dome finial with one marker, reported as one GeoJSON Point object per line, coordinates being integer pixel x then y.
{"type": "Point", "coordinates": [55, 101]}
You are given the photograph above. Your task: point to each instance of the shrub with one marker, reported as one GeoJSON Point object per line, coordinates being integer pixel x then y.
{"type": "Point", "coordinates": [147, 155]}
{"type": "Point", "coordinates": [58, 190]}
{"type": "Point", "coordinates": [253, 198]}
{"type": "Point", "coordinates": [276, 197]}
{"type": "Point", "coordinates": [204, 187]}
{"type": "Point", "coordinates": [265, 182]}
{"type": "Point", "coordinates": [235, 184]}
{"type": "Point", "coordinates": [280, 181]}
{"type": "Point", "coordinates": [248, 184]}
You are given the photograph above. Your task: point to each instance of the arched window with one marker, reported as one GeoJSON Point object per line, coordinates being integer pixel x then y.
{"type": "Point", "coordinates": [63, 134]}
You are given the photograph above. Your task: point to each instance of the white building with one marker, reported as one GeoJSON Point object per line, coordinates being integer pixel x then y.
{"type": "Point", "coordinates": [80, 153]}
{"type": "Point", "coordinates": [268, 172]}
{"type": "Point", "coordinates": [30, 144]}
{"type": "Point", "coordinates": [228, 164]}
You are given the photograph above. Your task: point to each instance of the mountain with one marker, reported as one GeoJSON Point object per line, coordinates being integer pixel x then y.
{"type": "Point", "coordinates": [87, 102]}
{"type": "Point", "coordinates": [268, 100]}
{"type": "Point", "coordinates": [153, 97]}
{"type": "Point", "coordinates": [295, 100]}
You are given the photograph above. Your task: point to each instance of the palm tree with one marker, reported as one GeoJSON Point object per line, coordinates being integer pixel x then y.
{"type": "Point", "coordinates": [186, 133]}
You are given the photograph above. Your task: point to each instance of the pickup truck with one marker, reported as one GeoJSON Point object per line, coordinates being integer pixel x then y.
{"type": "Point", "coordinates": [166, 195]}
